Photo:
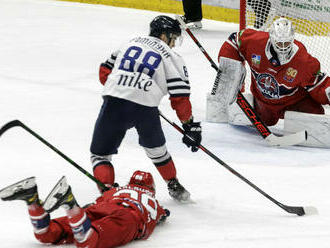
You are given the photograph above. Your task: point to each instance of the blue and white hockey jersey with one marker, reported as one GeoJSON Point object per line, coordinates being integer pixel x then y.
{"type": "Point", "coordinates": [144, 70]}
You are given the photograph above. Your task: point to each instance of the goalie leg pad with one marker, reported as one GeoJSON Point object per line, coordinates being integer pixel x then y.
{"type": "Point", "coordinates": [235, 114]}
{"type": "Point", "coordinates": [232, 77]}
{"type": "Point", "coordinates": [228, 82]}
{"type": "Point", "coordinates": [317, 126]}
{"type": "Point", "coordinates": [216, 109]}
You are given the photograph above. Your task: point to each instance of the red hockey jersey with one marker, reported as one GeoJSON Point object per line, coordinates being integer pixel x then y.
{"type": "Point", "coordinates": [138, 197]}
{"type": "Point", "coordinates": [271, 82]}
{"type": "Point", "coordinates": [130, 206]}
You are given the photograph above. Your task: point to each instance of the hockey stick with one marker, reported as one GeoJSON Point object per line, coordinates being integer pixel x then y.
{"type": "Point", "coordinates": [290, 209]}
{"type": "Point", "coordinates": [17, 123]}
{"type": "Point", "coordinates": [263, 130]}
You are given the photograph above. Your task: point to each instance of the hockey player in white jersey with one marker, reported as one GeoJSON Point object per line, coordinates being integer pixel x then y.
{"type": "Point", "coordinates": [136, 77]}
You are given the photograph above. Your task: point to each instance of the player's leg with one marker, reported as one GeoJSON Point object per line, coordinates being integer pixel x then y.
{"type": "Point", "coordinates": [269, 114]}
{"type": "Point", "coordinates": [316, 125]}
{"type": "Point", "coordinates": [152, 139]}
{"type": "Point", "coordinates": [77, 220]}
{"type": "Point", "coordinates": [192, 13]}
{"type": "Point", "coordinates": [109, 131]}
{"type": "Point", "coordinates": [119, 227]}
{"type": "Point", "coordinates": [306, 105]}
{"type": "Point", "coordinates": [45, 229]}
{"type": "Point", "coordinates": [309, 115]}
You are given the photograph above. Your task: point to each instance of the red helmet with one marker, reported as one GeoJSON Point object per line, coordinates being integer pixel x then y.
{"type": "Point", "coordinates": [144, 179]}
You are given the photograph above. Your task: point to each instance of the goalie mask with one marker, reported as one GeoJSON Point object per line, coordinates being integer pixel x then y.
{"type": "Point", "coordinates": [144, 179]}
{"type": "Point", "coordinates": [166, 25]}
{"type": "Point", "coordinates": [281, 36]}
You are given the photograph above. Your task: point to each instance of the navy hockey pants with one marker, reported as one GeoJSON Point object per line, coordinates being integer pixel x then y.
{"type": "Point", "coordinates": [116, 117]}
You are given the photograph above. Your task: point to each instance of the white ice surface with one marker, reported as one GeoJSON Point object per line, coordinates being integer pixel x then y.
{"type": "Point", "coordinates": [49, 57]}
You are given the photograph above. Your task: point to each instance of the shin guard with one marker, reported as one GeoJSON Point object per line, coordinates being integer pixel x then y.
{"type": "Point", "coordinates": [40, 219]}
{"type": "Point", "coordinates": [163, 161]}
{"type": "Point", "coordinates": [104, 173]}
{"type": "Point", "coordinates": [80, 225]}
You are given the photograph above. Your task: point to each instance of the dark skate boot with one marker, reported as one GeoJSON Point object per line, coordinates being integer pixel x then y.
{"type": "Point", "coordinates": [61, 195]}
{"type": "Point", "coordinates": [177, 191]}
{"type": "Point", "coordinates": [25, 190]}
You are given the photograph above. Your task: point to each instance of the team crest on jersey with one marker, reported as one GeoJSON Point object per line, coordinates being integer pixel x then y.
{"type": "Point", "coordinates": [256, 59]}
{"type": "Point", "coordinates": [268, 86]}
{"type": "Point", "coordinates": [290, 74]}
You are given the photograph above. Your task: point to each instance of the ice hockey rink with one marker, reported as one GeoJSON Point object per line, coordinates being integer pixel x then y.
{"type": "Point", "coordinates": [50, 53]}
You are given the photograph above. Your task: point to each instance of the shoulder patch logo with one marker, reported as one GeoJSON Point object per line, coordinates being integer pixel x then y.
{"type": "Point", "coordinates": [256, 59]}
{"type": "Point", "coordinates": [290, 74]}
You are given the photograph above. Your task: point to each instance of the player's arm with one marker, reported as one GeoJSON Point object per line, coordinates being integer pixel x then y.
{"type": "Point", "coordinates": [106, 67]}
{"type": "Point", "coordinates": [233, 47]}
{"type": "Point", "coordinates": [178, 87]}
{"type": "Point", "coordinates": [179, 90]}
{"type": "Point", "coordinates": [182, 107]}
{"type": "Point", "coordinates": [192, 135]}
{"type": "Point", "coordinates": [320, 88]}
{"type": "Point", "coordinates": [164, 213]}
{"type": "Point", "coordinates": [317, 83]}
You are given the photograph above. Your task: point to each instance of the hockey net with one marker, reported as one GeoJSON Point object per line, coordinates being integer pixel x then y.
{"type": "Point", "coordinates": [310, 18]}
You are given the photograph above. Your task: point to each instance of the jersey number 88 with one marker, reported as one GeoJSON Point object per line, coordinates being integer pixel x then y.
{"type": "Point", "coordinates": [150, 61]}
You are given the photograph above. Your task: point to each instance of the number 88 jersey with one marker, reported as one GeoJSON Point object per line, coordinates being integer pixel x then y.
{"type": "Point", "coordinates": [144, 70]}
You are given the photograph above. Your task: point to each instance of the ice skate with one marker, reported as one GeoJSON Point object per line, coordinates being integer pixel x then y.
{"type": "Point", "coordinates": [196, 24]}
{"type": "Point", "coordinates": [177, 191]}
{"type": "Point", "coordinates": [61, 195]}
{"type": "Point", "coordinates": [25, 190]}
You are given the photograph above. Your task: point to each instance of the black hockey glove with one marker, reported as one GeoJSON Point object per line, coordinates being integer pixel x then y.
{"type": "Point", "coordinates": [192, 135]}
{"type": "Point", "coordinates": [164, 217]}
{"type": "Point", "coordinates": [108, 187]}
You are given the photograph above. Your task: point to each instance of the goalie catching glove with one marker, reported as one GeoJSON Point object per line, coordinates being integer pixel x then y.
{"type": "Point", "coordinates": [192, 134]}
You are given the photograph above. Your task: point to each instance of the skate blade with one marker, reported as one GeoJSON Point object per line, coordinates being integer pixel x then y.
{"type": "Point", "coordinates": [21, 185]}
{"type": "Point", "coordinates": [60, 188]}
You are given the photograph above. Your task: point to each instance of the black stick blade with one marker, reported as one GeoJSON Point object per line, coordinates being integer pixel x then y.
{"type": "Point", "coordinates": [9, 125]}
{"type": "Point", "coordinates": [295, 210]}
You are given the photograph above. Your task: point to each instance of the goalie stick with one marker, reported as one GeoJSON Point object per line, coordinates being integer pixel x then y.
{"type": "Point", "coordinates": [263, 130]}
{"type": "Point", "coordinates": [17, 123]}
{"type": "Point", "coordinates": [300, 211]}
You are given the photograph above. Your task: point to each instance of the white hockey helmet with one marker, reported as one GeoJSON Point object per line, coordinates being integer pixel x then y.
{"type": "Point", "coordinates": [281, 36]}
